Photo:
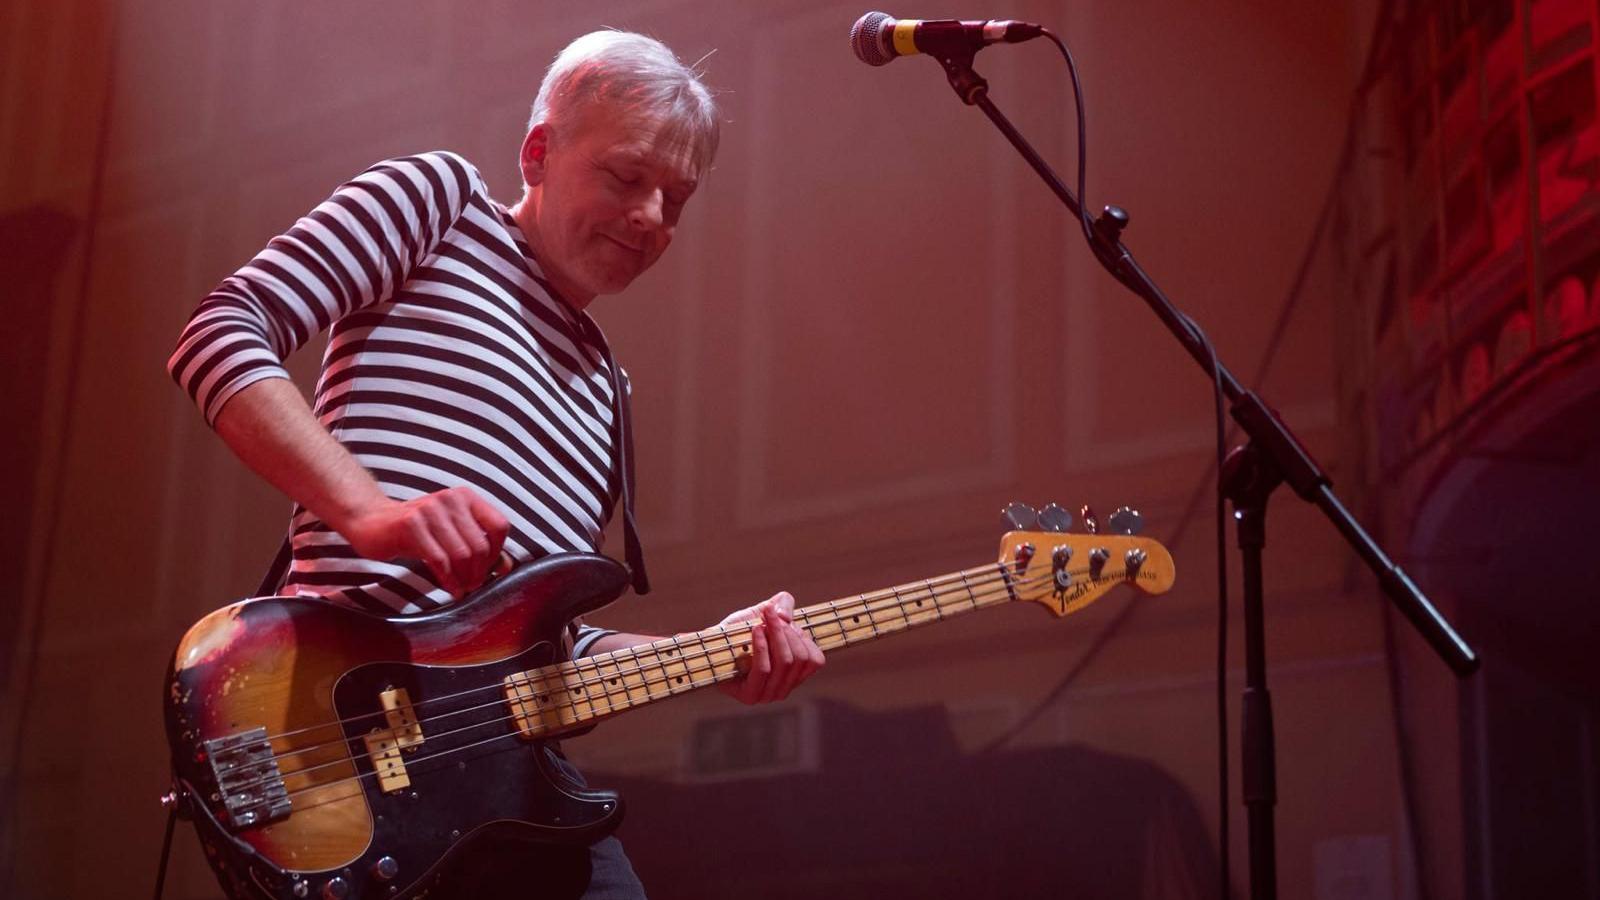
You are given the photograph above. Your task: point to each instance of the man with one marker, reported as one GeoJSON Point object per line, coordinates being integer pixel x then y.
{"type": "Point", "coordinates": [467, 418]}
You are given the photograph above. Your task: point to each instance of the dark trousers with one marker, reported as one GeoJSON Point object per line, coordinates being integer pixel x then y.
{"type": "Point", "coordinates": [501, 867]}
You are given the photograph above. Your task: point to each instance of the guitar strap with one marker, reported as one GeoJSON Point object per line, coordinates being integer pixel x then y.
{"type": "Point", "coordinates": [276, 572]}
{"type": "Point", "coordinates": [621, 414]}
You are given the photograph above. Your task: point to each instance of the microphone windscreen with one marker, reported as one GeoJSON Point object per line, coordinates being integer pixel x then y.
{"type": "Point", "coordinates": [866, 38]}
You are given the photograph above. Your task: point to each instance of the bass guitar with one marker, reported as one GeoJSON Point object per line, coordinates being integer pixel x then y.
{"type": "Point", "coordinates": [325, 752]}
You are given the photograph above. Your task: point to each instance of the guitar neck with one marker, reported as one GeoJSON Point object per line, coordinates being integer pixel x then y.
{"type": "Point", "coordinates": [566, 695]}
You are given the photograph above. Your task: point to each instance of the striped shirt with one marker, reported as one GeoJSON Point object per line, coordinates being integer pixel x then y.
{"type": "Point", "coordinates": [450, 362]}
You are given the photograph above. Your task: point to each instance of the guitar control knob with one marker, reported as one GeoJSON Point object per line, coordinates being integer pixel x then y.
{"type": "Point", "coordinates": [1018, 517]}
{"type": "Point", "coordinates": [300, 889]}
{"type": "Point", "coordinates": [385, 868]}
{"type": "Point", "coordinates": [1054, 518]}
{"type": "Point", "coordinates": [336, 888]}
{"type": "Point", "coordinates": [1126, 520]}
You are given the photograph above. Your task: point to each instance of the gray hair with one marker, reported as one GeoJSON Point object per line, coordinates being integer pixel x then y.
{"type": "Point", "coordinates": [636, 74]}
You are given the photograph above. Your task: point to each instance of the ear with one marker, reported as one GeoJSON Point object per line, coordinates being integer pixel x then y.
{"type": "Point", "coordinates": [535, 154]}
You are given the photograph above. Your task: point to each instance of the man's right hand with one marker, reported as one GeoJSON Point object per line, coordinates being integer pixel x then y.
{"type": "Point", "coordinates": [455, 532]}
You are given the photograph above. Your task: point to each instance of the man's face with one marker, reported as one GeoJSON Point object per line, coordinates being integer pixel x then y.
{"type": "Point", "coordinates": [607, 189]}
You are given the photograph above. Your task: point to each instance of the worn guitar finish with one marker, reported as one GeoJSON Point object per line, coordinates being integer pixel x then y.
{"type": "Point", "coordinates": [327, 752]}
{"type": "Point", "coordinates": [294, 666]}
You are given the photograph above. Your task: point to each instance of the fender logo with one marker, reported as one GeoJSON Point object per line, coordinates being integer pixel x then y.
{"type": "Point", "coordinates": [1066, 596]}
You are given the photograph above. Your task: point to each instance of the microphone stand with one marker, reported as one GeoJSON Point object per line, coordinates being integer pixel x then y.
{"type": "Point", "coordinates": [1270, 456]}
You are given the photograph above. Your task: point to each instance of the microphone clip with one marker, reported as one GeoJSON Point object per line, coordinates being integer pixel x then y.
{"type": "Point", "coordinates": [968, 85]}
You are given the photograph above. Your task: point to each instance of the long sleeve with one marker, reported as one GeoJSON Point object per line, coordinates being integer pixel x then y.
{"type": "Point", "coordinates": [584, 638]}
{"type": "Point", "coordinates": [353, 250]}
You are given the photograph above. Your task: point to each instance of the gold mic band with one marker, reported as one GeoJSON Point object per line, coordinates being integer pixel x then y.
{"type": "Point", "coordinates": [905, 42]}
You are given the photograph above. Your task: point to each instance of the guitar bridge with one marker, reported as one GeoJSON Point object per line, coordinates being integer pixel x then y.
{"type": "Point", "coordinates": [248, 780]}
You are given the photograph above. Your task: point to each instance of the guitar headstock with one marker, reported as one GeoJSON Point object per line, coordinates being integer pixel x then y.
{"type": "Point", "coordinates": [1066, 572]}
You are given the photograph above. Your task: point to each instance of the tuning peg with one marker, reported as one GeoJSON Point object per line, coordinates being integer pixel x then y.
{"type": "Point", "coordinates": [1018, 517]}
{"type": "Point", "coordinates": [1126, 520]}
{"type": "Point", "coordinates": [1054, 518]}
{"type": "Point", "coordinates": [1090, 523]}
{"type": "Point", "coordinates": [1097, 562]}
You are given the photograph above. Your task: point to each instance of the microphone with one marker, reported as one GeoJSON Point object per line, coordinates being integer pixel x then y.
{"type": "Point", "coordinates": [878, 38]}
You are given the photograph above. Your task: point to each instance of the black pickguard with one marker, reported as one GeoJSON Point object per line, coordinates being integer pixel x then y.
{"type": "Point", "coordinates": [471, 773]}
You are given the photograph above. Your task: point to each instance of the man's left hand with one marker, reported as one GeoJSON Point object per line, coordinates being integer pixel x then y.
{"type": "Point", "coordinates": [781, 653]}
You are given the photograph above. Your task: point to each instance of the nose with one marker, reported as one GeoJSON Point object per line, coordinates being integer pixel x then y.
{"type": "Point", "coordinates": [648, 214]}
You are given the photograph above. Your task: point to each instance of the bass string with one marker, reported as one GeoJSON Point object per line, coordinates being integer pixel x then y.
{"type": "Point", "coordinates": [356, 779]}
{"type": "Point", "coordinates": [443, 753]}
{"type": "Point", "coordinates": [541, 729]}
{"type": "Point", "coordinates": [609, 696]}
{"type": "Point", "coordinates": [839, 611]}
{"type": "Point", "coordinates": [665, 661]}
{"type": "Point", "coordinates": [735, 629]}
{"type": "Point", "coordinates": [648, 683]}
{"type": "Point", "coordinates": [648, 657]}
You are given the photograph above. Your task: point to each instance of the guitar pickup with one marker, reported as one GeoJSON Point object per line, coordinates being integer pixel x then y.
{"type": "Point", "coordinates": [401, 717]}
{"type": "Point", "coordinates": [384, 744]}
{"type": "Point", "coordinates": [384, 751]}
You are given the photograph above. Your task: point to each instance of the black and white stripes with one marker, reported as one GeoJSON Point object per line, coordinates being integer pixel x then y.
{"type": "Point", "coordinates": [450, 362]}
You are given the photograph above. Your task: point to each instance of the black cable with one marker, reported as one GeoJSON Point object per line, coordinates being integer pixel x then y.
{"type": "Point", "coordinates": [1402, 737]}
{"type": "Point", "coordinates": [1199, 336]}
{"type": "Point", "coordinates": [1274, 341]}
{"type": "Point", "coordinates": [1083, 137]}
{"type": "Point", "coordinates": [1368, 77]}
{"type": "Point", "coordinates": [166, 847]}
{"type": "Point", "coordinates": [1223, 848]}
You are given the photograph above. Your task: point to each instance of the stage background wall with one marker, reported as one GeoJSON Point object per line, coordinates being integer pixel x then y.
{"type": "Point", "coordinates": [875, 329]}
